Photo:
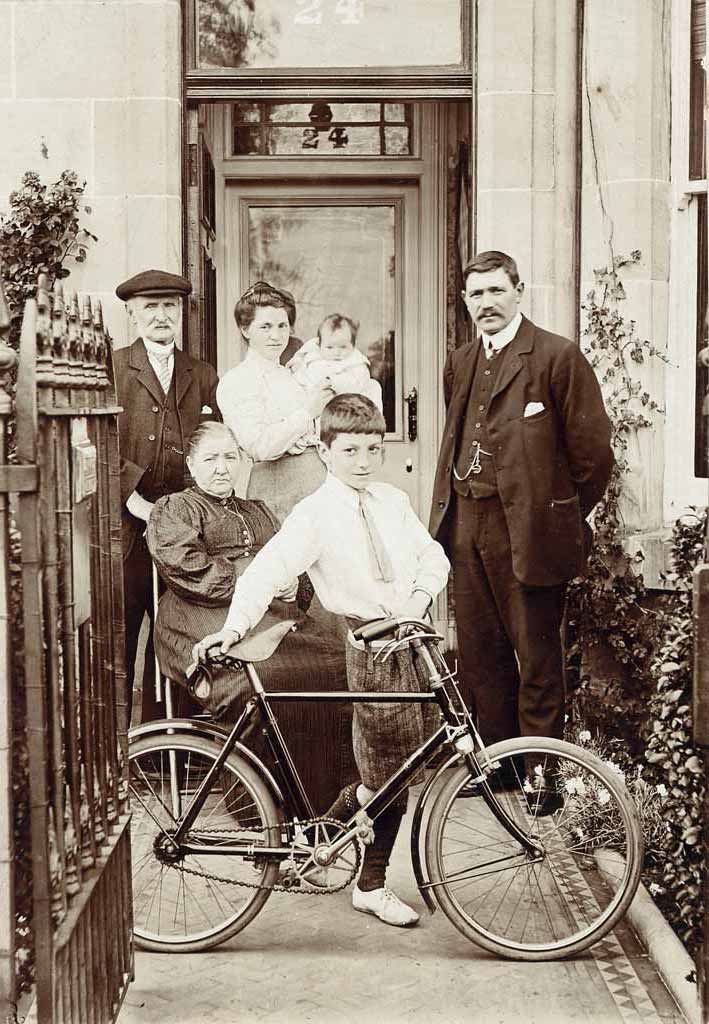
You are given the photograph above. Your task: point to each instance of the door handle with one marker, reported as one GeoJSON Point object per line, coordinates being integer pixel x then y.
{"type": "Point", "coordinates": [412, 403]}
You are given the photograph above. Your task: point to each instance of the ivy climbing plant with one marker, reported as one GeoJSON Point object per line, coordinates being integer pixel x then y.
{"type": "Point", "coordinates": [675, 764]}
{"type": "Point", "coordinates": [605, 608]}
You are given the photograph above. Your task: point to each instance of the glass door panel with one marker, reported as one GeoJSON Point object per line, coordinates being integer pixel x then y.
{"type": "Point", "coordinates": [348, 249]}
{"type": "Point", "coordinates": [335, 259]}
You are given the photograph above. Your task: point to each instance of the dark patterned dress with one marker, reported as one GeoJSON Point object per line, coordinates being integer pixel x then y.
{"type": "Point", "coordinates": [201, 545]}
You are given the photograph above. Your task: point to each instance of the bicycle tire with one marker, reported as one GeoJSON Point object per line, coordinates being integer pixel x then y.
{"type": "Point", "coordinates": [174, 911]}
{"type": "Point", "coordinates": [500, 898]}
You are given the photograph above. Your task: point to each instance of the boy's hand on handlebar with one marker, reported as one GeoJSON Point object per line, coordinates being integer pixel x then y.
{"type": "Point", "coordinates": [215, 643]}
{"type": "Point", "coordinates": [415, 607]}
{"type": "Point", "coordinates": [290, 592]}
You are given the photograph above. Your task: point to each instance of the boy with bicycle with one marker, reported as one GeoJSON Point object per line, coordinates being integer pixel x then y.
{"type": "Point", "coordinates": [368, 557]}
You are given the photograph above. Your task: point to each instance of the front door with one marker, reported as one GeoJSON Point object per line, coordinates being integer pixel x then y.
{"type": "Point", "coordinates": [352, 249]}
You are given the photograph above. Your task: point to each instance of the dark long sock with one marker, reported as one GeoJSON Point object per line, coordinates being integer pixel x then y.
{"type": "Point", "coordinates": [345, 805]}
{"type": "Point", "coordinates": [376, 856]}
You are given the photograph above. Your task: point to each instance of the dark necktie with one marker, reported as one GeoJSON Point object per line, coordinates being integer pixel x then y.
{"type": "Point", "coordinates": [383, 569]}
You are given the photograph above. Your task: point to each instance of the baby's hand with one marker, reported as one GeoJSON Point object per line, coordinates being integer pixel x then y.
{"type": "Point", "coordinates": [703, 357]}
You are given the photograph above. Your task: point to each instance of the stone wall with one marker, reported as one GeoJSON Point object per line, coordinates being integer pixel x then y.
{"type": "Point", "coordinates": [94, 86]}
{"type": "Point", "coordinates": [626, 203]}
{"type": "Point", "coordinates": [526, 148]}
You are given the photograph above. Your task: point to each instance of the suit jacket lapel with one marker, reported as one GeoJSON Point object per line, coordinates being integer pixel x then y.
{"type": "Point", "coordinates": [522, 344]}
{"type": "Point", "coordinates": [182, 374]}
{"type": "Point", "coordinates": [146, 375]}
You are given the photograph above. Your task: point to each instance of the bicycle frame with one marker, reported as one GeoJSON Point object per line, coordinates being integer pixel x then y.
{"type": "Point", "coordinates": [457, 728]}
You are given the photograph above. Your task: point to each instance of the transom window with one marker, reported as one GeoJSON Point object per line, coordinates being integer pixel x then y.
{"type": "Point", "coordinates": [320, 128]}
{"type": "Point", "coordinates": [266, 34]}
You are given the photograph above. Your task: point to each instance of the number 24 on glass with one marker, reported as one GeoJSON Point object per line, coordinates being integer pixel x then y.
{"type": "Point", "coordinates": [348, 12]}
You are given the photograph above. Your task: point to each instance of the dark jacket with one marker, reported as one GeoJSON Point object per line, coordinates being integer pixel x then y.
{"type": "Point", "coordinates": [141, 425]}
{"type": "Point", "coordinates": [552, 467]}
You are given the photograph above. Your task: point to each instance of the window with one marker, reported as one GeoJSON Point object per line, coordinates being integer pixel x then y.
{"type": "Point", "coordinates": [698, 173]}
{"type": "Point", "coordinates": [697, 90]}
{"type": "Point", "coordinates": [321, 129]}
{"type": "Point", "coordinates": [332, 34]}
{"type": "Point", "coordinates": [687, 405]}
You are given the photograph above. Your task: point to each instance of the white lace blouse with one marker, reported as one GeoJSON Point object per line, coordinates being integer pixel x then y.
{"type": "Point", "coordinates": [265, 407]}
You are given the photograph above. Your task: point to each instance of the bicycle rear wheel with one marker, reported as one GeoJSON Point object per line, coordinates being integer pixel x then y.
{"type": "Point", "coordinates": [516, 905]}
{"type": "Point", "coordinates": [196, 901]}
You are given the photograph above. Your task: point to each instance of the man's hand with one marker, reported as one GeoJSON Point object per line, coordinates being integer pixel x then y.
{"type": "Point", "coordinates": [415, 607]}
{"type": "Point", "coordinates": [215, 643]}
{"type": "Point", "coordinates": [139, 506]}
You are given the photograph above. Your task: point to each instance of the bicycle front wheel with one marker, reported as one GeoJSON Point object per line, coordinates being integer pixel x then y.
{"type": "Point", "coordinates": [186, 902]}
{"type": "Point", "coordinates": [547, 905]}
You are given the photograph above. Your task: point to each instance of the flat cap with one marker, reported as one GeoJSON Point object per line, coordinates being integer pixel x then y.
{"type": "Point", "coordinates": [153, 282]}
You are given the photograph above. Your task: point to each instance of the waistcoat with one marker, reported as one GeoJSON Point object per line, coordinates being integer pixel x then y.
{"type": "Point", "coordinates": [484, 483]}
{"type": "Point", "coordinates": [168, 472]}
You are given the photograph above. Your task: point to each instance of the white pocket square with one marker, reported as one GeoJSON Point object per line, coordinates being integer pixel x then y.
{"type": "Point", "coordinates": [207, 410]}
{"type": "Point", "coordinates": [531, 408]}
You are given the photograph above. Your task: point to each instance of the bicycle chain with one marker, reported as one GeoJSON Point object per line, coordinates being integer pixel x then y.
{"type": "Point", "coordinates": [291, 890]}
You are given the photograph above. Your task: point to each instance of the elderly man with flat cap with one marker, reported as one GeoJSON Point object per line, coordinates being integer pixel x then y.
{"type": "Point", "coordinates": [165, 395]}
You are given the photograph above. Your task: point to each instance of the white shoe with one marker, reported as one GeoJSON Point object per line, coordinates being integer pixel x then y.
{"type": "Point", "coordinates": [385, 905]}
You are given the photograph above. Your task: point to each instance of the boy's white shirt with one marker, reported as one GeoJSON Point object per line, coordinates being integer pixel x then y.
{"type": "Point", "coordinates": [324, 535]}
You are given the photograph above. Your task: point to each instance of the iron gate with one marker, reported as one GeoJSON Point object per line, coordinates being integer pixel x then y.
{"type": "Point", "coordinates": [66, 426]}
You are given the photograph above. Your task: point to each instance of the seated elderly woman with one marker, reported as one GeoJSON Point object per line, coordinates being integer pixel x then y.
{"type": "Point", "coordinates": [201, 540]}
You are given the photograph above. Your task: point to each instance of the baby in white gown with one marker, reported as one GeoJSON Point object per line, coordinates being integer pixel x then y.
{"type": "Point", "coordinates": [333, 357]}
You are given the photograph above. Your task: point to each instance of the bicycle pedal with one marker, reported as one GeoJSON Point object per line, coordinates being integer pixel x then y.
{"type": "Point", "coordinates": [365, 828]}
{"type": "Point", "coordinates": [289, 879]}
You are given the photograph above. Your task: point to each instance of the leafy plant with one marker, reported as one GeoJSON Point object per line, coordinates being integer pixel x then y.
{"type": "Point", "coordinates": [606, 607]}
{"type": "Point", "coordinates": [674, 761]}
{"type": "Point", "coordinates": [40, 233]}
{"type": "Point", "coordinates": [595, 815]}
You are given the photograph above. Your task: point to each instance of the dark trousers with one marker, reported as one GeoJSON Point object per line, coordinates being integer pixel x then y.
{"type": "Point", "coordinates": [138, 598]}
{"type": "Point", "coordinates": [509, 637]}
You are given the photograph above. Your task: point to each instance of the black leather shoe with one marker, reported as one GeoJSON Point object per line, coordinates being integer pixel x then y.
{"type": "Point", "coordinates": [544, 796]}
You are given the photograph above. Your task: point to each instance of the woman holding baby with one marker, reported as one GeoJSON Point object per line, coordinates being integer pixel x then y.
{"type": "Point", "coordinates": [273, 410]}
{"type": "Point", "coordinates": [271, 414]}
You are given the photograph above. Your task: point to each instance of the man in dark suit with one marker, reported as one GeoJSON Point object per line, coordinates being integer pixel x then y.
{"type": "Point", "coordinates": [165, 395]}
{"type": "Point", "coordinates": [525, 457]}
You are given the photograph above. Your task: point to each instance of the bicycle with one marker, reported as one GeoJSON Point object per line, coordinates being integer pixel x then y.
{"type": "Point", "coordinates": [216, 831]}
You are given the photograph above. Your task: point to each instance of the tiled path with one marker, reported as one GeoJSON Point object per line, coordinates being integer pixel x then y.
{"type": "Point", "coordinates": [314, 959]}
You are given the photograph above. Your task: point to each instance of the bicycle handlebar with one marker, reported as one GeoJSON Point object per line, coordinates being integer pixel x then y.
{"type": "Point", "coordinates": [378, 628]}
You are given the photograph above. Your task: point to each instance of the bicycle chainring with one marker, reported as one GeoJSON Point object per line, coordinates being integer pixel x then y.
{"type": "Point", "coordinates": [300, 867]}
{"type": "Point", "coordinates": [303, 864]}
